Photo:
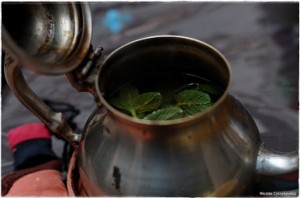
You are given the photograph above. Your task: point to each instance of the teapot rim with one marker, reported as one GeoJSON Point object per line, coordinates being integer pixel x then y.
{"type": "Point", "coordinates": [177, 121]}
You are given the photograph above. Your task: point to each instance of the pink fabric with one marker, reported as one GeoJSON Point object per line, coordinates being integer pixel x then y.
{"type": "Point", "coordinates": [41, 183]}
{"type": "Point", "coordinates": [27, 132]}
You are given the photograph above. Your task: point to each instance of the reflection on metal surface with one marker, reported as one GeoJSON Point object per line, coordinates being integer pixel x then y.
{"type": "Point", "coordinates": [277, 171]}
{"type": "Point", "coordinates": [55, 37]}
{"type": "Point", "coordinates": [276, 163]}
{"type": "Point", "coordinates": [54, 120]}
{"type": "Point", "coordinates": [214, 153]}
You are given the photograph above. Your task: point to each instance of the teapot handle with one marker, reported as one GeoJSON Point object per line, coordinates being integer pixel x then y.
{"type": "Point", "coordinates": [277, 171]}
{"type": "Point", "coordinates": [54, 120]}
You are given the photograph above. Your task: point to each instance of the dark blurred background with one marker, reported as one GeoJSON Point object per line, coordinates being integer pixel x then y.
{"type": "Point", "coordinates": [259, 39]}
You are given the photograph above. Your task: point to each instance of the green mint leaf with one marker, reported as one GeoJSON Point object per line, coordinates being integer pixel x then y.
{"type": "Point", "coordinates": [123, 105]}
{"type": "Point", "coordinates": [126, 99]}
{"type": "Point", "coordinates": [193, 101]}
{"type": "Point", "coordinates": [167, 113]}
{"type": "Point", "coordinates": [210, 89]}
{"type": "Point", "coordinates": [148, 101]}
{"type": "Point", "coordinates": [168, 92]}
{"type": "Point", "coordinates": [130, 101]}
{"type": "Point", "coordinates": [129, 93]}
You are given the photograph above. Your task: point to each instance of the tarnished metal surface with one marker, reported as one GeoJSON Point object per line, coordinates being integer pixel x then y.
{"type": "Point", "coordinates": [55, 38]}
{"type": "Point", "coordinates": [275, 163]}
{"type": "Point", "coordinates": [152, 158]}
{"type": "Point", "coordinates": [260, 40]}
{"type": "Point", "coordinates": [54, 120]}
{"type": "Point", "coordinates": [210, 150]}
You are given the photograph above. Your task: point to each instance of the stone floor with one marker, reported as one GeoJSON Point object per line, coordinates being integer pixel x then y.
{"type": "Point", "coordinates": [260, 41]}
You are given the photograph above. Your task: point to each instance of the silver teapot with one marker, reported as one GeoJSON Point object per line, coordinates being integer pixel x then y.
{"type": "Point", "coordinates": [217, 152]}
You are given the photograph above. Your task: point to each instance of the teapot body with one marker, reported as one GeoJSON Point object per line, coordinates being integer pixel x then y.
{"type": "Point", "coordinates": [214, 155]}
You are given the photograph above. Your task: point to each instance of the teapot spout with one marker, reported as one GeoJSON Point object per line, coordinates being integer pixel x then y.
{"type": "Point", "coordinates": [277, 170]}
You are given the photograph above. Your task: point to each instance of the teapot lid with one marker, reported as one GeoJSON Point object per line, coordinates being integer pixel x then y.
{"type": "Point", "coordinates": [48, 38]}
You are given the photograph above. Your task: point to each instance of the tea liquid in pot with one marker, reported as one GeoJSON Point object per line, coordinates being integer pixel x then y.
{"type": "Point", "coordinates": [217, 152]}
{"type": "Point", "coordinates": [166, 95]}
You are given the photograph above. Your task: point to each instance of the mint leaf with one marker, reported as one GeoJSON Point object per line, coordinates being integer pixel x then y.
{"type": "Point", "coordinates": [167, 113]}
{"type": "Point", "coordinates": [210, 89]}
{"type": "Point", "coordinates": [127, 99]}
{"type": "Point", "coordinates": [173, 103]}
{"type": "Point", "coordinates": [168, 92]}
{"type": "Point", "coordinates": [193, 101]}
{"type": "Point", "coordinates": [130, 101]}
{"type": "Point", "coordinates": [148, 101]}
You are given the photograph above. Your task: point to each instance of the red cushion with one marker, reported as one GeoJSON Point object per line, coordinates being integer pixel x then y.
{"type": "Point", "coordinates": [27, 132]}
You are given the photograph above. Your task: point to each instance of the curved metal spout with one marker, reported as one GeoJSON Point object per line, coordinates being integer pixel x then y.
{"type": "Point", "coordinates": [277, 170]}
{"type": "Point", "coordinates": [276, 163]}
